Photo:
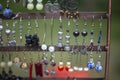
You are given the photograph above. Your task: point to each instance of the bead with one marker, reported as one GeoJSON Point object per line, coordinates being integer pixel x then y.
{"type": "Point", "coordinates": [86, 69]}
{"type": "Point", "coordinates": [60, 37]}
{"type": "Point", "coordinates": [92, 33]}
{"type": "Point", "coordinates": [91, 41]}
{"type": "Point", "coordinates": [84, 33]}
{"type": "Point", "coordinates": [75, 68]}
{"type": "Point", "coordinates": [76, 33]}
{"type": "Point", "coordinates": [80, 69]}
{"type": "Point", "coordinates": [98, 68]}
{"type": "Point", "coordinates": [60, 45]}
{"type": "Point", "coordinates": [7, 13]}
{"type": "Point", "coordinates": [67, 42]}
{"type": "Point", "coordinates": [13, 31]}
{"type": "Point", "coordinates": [45, 62]}
{"type": "Point", "coordinates": [2, 64]}
{"type": "Point", "coordinates": [68, 66]}
{"type": "Point", "coordinates": [60, 33]}
{"type": "Point", "coordinates": [20, 37]}
{"type": "Point", "coordinates": [67, 48]}
{"type": "Point", "coordinates": [24, 65]}
{"type": "Point", "coordinates": [1, 27]}
{"type": "Point", "coordinates": [90, 65]}
{"type": "Point", "coordinates": [53, 63]}
{"type": "Point", "coordinates": [30, 6]}
{"type": "Point", "coordinates": [52, 73]}
{"type": "Point", "coordinates": [60, 67]}
{"type": "Point", "coordinates": [17, 60]}
{"type": "Point", "coordinates": [46, 72]}
{"type": "Point", "coordinates": [44, 47]}
{"type": "Point", "coordinates": [39, 6]}
{"type": "Point", "coordinates": [51, 49]}
{"type": "Point", "coordinates": [9, 63]}
{"type": "Point", "coordinates": [67, 37]}
{"type": "Point", "coordinates": [7, 31]}
{"type": "Point", "coordinates": [60, 63]}
{"type": "Point", "coordinates": [71, 70]}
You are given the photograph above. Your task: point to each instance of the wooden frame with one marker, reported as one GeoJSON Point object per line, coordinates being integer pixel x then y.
{"type": "Point", "coordinates": [106, 48]}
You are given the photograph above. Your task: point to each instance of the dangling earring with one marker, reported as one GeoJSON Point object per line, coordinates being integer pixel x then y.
{"type": "Point", "coordinates": [30, 5]}
{"type": "Point", "coordinates": [39, 5]}
{"type": "Point", "coordinates": [1, 7]}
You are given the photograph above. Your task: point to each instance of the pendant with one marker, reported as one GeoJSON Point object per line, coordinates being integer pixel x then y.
{"type": "Point", "coordinates": [91, 64]}
{"type": "Point", "coordinates": [98, 66]}
{"type": "Point", "coordinates": [53, 73]}
{"type": "Point", "coordinates": [68, 66]}
{"type": "Point", "coordinates": [24, 65]}
{"type": "Point", "coordinates": [39, 5]}
{"type": "Point", "coordinates": [60, 66]}
{"type": "Point", "coordinates": [38, 69]}
{"type": "Point", "coordinates": [30, 5]}
{"type": "Point", "coordinates": [17, 61]}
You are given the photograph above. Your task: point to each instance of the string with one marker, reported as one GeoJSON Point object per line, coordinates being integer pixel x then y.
{"type": "Point", "coordinates": [52, 26]}
{"type": "Point", "coordinates": [45, 31]}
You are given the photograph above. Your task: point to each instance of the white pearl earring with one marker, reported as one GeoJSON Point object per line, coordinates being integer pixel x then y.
{"type": "Point", "coordinates": [39, 5]}
{"type": "Point", "coordinates": [30, 5]}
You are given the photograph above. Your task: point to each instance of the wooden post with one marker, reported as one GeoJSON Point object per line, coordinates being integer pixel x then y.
{"type": "Point", "coordinates": [108, 40]}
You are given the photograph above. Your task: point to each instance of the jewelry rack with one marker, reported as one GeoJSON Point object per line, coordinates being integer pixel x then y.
{"type": "Point", "coordinates": [104, 48]}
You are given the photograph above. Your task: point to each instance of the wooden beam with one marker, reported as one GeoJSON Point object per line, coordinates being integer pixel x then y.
{"type": "Point", "coordinates": [25, 48]}
{"type": "Point", "coordinates": [56, 15]}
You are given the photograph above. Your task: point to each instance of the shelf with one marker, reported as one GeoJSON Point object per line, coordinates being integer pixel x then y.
{"type": "Point", "coordinates": [25, 48]}
{"type": "Point", "coordinates": [56, 15]}
{"type": "Point", "coordinates": [67, 79]}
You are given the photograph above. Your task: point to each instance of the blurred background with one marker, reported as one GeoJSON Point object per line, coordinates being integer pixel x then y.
{"type": "Point", "coordinates": [93, 5]}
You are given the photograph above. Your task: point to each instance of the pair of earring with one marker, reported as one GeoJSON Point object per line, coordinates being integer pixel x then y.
{"type": "Point", "coordinates": [39, 5]}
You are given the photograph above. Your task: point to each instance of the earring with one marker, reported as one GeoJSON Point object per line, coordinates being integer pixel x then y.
{"type": "Point", "coordinates": [39, 5]}
{"type": "Point", "coordinates": [30, 5]}
{"type": "Point", "coordinates": [0, 7]}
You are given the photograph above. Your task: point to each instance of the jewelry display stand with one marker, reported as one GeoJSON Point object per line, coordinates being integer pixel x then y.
{"type": "Point", "coordinates": [104, 48]}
